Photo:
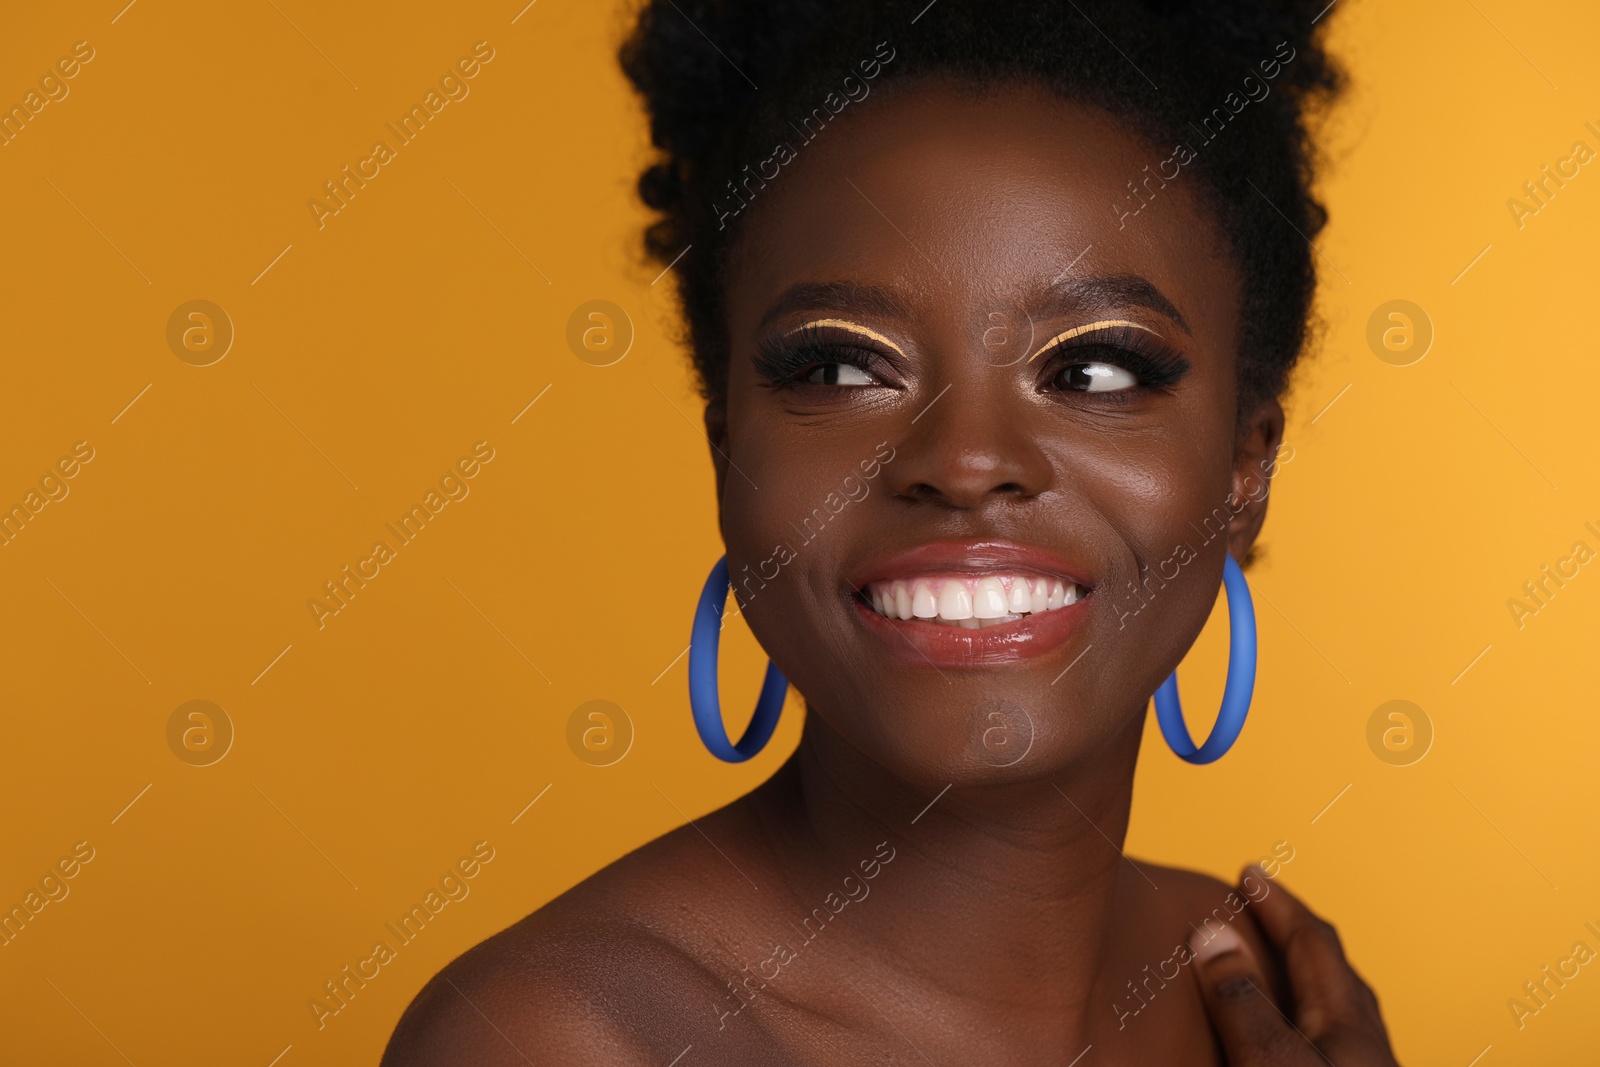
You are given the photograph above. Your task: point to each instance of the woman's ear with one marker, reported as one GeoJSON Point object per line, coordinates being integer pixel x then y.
{"type": "Point", "coordinates": [716, 418]}
{"type": "Point", "coordinates": [1255, 461]}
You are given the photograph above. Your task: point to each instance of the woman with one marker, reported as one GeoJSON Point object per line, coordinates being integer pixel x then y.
{"type": "Point", "coordinates": [992, 305]}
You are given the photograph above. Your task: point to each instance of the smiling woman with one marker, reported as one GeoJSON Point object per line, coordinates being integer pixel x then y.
{"type": "Point", "coordinates": [1038, 473]}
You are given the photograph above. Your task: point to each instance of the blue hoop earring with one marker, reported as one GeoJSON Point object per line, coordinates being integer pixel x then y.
{"type": "Point", "coordinates": [704, 700]}
{"type": "Point", "coordinates": [1241, 680]}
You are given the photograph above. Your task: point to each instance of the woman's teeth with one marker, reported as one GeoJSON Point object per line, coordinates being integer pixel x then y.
{"type": "Point", "coordinates": [970, 602]}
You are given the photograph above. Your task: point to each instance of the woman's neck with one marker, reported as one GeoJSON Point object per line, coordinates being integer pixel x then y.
{"type": "Point", "coordinates": [996, 894]}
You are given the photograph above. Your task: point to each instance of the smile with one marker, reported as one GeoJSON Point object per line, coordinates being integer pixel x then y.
{"type": "Point", "coordinates": [969, 604]}
{"type": "Point", "coordinates": [970, 601]}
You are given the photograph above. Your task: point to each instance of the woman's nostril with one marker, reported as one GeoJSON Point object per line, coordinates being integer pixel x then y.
{"type": "Point", "coordinates": [959, 495]}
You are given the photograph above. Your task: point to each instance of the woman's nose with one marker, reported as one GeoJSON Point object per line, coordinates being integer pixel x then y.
{"type": "Point", "coordinates": [970, 445]}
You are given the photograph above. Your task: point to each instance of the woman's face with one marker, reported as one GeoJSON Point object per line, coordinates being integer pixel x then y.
{"type": "Point", "coordinates": [966, 380]}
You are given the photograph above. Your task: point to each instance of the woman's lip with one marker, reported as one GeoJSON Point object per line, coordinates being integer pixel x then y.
{"type": "Point", "coordinates": [923, 643]}
{"type": "Point", "coordinates": [968, 557]}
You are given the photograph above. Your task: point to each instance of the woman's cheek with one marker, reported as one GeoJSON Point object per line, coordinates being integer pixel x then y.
{"type": "Point", "coordinates": [1156, 587]}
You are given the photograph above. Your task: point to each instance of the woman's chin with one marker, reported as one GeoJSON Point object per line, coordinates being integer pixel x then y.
{"type": "Point", "coordinates": [972, 734]}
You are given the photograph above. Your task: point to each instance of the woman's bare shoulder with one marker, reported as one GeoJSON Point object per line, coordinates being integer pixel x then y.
{"type": "Point", "coordinates": [1193, 903]}
{"type": "Point", "coordinates": [595, 976]}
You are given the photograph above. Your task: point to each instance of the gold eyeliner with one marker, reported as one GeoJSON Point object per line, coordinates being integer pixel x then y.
{"type": "Point", "coordinates": [1078, 330]}
{"type": "Point", "coordinates": [842, 324]}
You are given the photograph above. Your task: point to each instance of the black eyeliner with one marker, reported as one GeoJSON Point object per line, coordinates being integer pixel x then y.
{"type": "Point", "coordinates": [782, 360]}
{"type": "Point", "coordinates": [1139, 352]}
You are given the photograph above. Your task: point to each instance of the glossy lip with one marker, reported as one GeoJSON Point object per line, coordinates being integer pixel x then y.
{"type": "Point", "coordinates": [924, 643]}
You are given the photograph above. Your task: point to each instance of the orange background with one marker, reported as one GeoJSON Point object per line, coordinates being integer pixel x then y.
{"type": "Point", "coordinates": [370, 354]}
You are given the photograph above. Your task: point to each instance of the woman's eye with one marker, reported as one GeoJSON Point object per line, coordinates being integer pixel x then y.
{"type": "Point", "coordinates": [838, 374]}
{"type": "Point", "coordinates": [1095, 378]}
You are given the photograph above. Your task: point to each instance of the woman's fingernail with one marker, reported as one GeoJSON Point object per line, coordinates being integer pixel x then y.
{"type": "Point", "coordinates": [1221, 940]}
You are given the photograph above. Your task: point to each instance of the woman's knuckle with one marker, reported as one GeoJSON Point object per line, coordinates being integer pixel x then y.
{"type": "Point", "coordinates": [1236, 989]}
{"type": "Point", "coordinates": [1329, 933]}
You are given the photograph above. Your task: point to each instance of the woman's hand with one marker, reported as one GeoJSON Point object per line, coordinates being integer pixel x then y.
{"type": "Point", "coordinates": [1335, 1016]}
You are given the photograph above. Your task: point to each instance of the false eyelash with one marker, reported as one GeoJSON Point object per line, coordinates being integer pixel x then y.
{"type": "Point", "coordinates": [784, 360]}
{"type": "Point", "coordinates": [1140, 352]}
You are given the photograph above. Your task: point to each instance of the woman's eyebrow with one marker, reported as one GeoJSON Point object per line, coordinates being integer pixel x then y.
{"type": "Point", "coordinates": [867, 300]}
{"type": "Point", "coordinates": [1095, 293]}
{"type": "Point", "coordinates": [1105, 293]}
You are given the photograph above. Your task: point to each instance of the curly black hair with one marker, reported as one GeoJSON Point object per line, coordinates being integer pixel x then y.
{"type": "Point", "coordinates": [1177, 72]}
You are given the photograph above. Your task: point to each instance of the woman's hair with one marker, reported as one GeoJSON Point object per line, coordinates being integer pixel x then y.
{"type": "Point", "coordinates": [1234, 83]}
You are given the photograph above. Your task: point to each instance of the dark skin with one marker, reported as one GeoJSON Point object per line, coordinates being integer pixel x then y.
{"type": "Point", "coordinates": [1005, 924]}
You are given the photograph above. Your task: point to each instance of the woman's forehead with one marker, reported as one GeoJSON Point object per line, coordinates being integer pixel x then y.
{"type": "Point", "coordinates": [947, 198]}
